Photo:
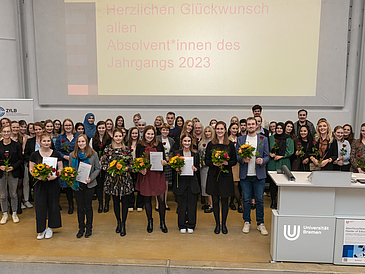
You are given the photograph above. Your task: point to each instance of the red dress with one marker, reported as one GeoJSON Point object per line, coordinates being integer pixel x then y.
{"type": "Point", "coordinates": [153, 183]}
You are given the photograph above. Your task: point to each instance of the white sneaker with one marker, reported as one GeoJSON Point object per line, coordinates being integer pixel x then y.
{"type": "Point", "coordinates": [49, 233]}
{"type": "Point", "coordinates": [4, 219]}
{"type": "Point", "coordinates": [28, 205]}
{"type": "Point", "coordinates": [22, 206]}
{"type": "Point", "coordinates": [139, 209]}
{"type": "Point", "coordinates": [15, 218]}
{"type": "Point", "coordinates": [262, 229]}
{"type": "Point", "coordinates": [40, 236]}
{"type": "Point", "coordinates": [246, 227]}
{"type": "Point", "coordinates": [130, 209]}
{"type": "Point", "coordinates": [183, 230]}
{"type": "Point", "coordinates": [190, 230]}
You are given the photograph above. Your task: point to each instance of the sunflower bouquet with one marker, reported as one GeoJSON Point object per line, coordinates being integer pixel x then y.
{"type": "Point", "coordinates": [177, 162]}
{"type": "Point", "coordinates": [246, 151]}
{"type": "Point", "coordinates": [117, 167]}
{"type": "Point", "coordinates": [68, 174]}
{"type": "Point", "coordinates": [42, 170]}
{"type": "Point", "coordinates": [218, 157]}
{"type": "Point", "coordinates": [141, 163]}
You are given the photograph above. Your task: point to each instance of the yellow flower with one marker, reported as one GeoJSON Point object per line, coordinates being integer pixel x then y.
{"type": "Point", "coordinates": [40, 166]}
{"type": "Point", "coordinates": [113, 163]}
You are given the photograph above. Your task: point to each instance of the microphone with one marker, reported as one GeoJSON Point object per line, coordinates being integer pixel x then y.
{"type": "Point", "coordinates": [285, 170]}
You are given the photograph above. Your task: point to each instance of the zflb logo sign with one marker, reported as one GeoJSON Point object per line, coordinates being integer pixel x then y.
{"type": "Point", "coordinates": [291, 235]}
{"type": "Point", "coordinates": [2, 111]}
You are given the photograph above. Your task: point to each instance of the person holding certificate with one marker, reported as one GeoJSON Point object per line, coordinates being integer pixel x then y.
{"type": "Point", "coordinates": [86, 161]}
{"type": "Point", "coordinates": [119, 186]}
{"type": "Point", "coordinates": [47, 193]}
{"type": "Point", "coordinates": [152, 183]}
{"type": "Point", "coordinates": [11, 160]}
{"type": "Point", "coordinates": [185, 185]}
{"type": "Point", "coordinates": [220, 178]}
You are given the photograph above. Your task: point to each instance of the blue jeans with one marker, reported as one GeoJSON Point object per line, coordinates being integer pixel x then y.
{"type": "Point", "coordinates": [258, 186]}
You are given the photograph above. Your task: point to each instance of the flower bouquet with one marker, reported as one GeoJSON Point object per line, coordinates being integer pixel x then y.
{"type": "Point", "coordinates": [42, 170]}
{"type": "Point", "coordinates": [257, 154]}
{"type": "Point", "coordinates": [343, 152]}
{"type": "Point", "coordinates": [360, 162]}
{"type": "Point", "coordinates": [218, 157]}
{"type": "Point", "coordinates": [246, 151]}
{"type": "Point", "coordinates": [141, 163]}
{"type": "Point", "coordinates": [177, 162]}
{"type": "Point", "coordinates": [68, 174]}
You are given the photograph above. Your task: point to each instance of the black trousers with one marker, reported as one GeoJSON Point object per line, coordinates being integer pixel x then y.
{"type": "Point", "coordinates": [46, 198]}
{"type": "Point", "coordinates": [100, 188]}
{"type": "Point", "coordinates": [187, 204]}
{"type": "Point", "coordinates": [84, 199]}
{"type": "Point", "coordinates": [132, 199]}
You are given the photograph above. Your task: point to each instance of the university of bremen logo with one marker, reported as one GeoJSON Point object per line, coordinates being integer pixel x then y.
{"type": "Point", "coordinates": [289, 235]}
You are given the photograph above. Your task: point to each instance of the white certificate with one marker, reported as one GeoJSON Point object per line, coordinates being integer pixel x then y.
{"type": "Point", "coordinates": [187, 169]}
{"type": "Point", "coordinates": [155, 161]}
{"type": "Point", "coordinates": [84, 172]}
{"type": "Point", "coordinates": [52, 162]}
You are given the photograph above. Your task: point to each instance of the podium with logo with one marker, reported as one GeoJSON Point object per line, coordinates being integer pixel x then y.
{"type": "Point", "coordinates": [308, 225]}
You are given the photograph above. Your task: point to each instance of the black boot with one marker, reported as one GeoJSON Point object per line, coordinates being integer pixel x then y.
{"type": "Point", "coordinates": [224, 229]}
{"type": "Point", "coordinates": [150, 226]}
{"type": "Point", "coordinates": [119, 226]}
{"type": "Point", "coordinates": [163, 226]}
{"type": "Point", "coordinates": [232, 205]}
{"type": "Point", "coordinates": [122, 230]}
{"type": "Point", "coordinates": [100, 209]}
{"type": "Point", "coordinates": [71, 208]}
{"type": "Point", "coordinates": [80, 233]}
{"type": "Point", "coordinates": [106, 207]}
{"type": "Point", "coordinates": [88, 232]}
{"type": "Point", "coordinates": [217, 229]}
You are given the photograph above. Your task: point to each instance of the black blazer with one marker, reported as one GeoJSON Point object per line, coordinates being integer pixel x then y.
{"type": "Point", "coordinates": [30, 148]}
{"type": "Point", "coordinates": [15, 158]}
{"type": "Point", "coordinates": [186, 181]}
{"type": "Point", "coordinates": [331, 152]}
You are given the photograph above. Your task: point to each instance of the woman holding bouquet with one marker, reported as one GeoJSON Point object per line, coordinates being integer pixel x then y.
{"type": "Point", "coordinates": [326, 145]}
{"type": "Point", "coordinates": [220, 178]}
{"type": "Point", "coordinates": [281, 148]}
{"type": "Point", "coordinates": [11, 161]}
{"type": "Point", "coordinates": [65, 144]}
{"type": "Point", "coordinates": [342, 162]}
{"type": "Point", "coordinates": [118, 185]}
{"type": "Point", "coordinates": [132, 144]}
{"type": "Point", "coordinates": [46, 193]}
{"type": "Point", "coordinates": [303, 148]}
{"type": "Point", "coordinates": [358, 153]}
{"type": "Point", "coordinates": [84, 192]}
{"type": "Point", "coordinates": [186, 188]}
{"type": "Point", "coordinates": [100, 140]}
{"type": "Point", "coordinates": [152, 183]}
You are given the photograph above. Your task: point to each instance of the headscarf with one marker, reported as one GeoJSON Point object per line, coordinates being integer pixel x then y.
{"type": "Point", "coordinates": [281, 139]}
{"type": "Point", "coordinates": [145, 124]}
{"type": "Point", "coordinates": [89, 128]}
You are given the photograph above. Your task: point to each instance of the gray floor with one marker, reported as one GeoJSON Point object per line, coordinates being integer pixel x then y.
{"type": "Point", "coordinates": [60, 268]}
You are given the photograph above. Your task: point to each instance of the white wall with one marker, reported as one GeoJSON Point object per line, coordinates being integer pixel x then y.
{"type": "Point", "coordinates": [10, 76]}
